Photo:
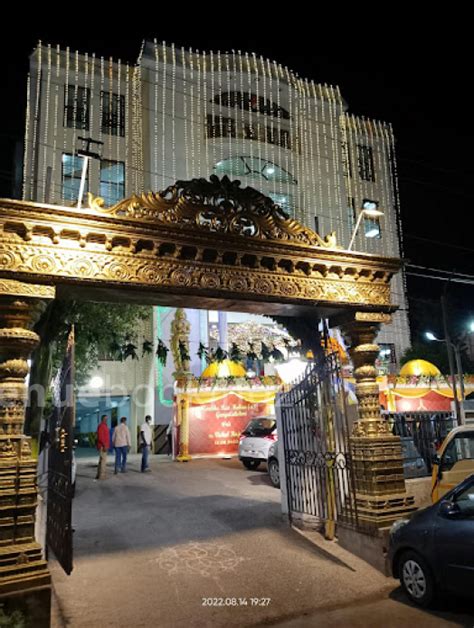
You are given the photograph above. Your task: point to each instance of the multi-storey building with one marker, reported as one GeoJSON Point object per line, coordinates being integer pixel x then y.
{"type": "Point", "coordinates": [178, 114]}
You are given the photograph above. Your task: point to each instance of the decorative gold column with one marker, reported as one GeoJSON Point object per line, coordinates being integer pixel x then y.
{"type": "Point", "coordinates": [21, 565]}
{"type": "Point", "coordinates": [183, 405]}
{"type": "Point", "coordinates": [376, 453]}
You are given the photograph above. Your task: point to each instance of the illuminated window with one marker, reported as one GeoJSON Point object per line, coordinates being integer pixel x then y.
{"type": "Point", "coordinates": [372, 228]}
{"type": "Point", "coordinates": [71, 176]}
{"type": "Point", "coordinates": [76, 107]}
{"type": "Point", "coordinates": [253, 167]}
{"type": "Point", "coordinates": [112, 181]}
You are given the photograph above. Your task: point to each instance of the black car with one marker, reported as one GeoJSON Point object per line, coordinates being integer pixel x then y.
{"type": "Point", "coordinates": [435, 549]}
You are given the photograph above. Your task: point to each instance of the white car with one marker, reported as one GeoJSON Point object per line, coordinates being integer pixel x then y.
{"type": "Point", "coordinates": [273, 465]}
{"type": "Point", "coordinates": [256, 440]}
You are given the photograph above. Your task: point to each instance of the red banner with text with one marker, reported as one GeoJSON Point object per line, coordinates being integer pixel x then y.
{"type": "Point", "coordinates": [215, 427]}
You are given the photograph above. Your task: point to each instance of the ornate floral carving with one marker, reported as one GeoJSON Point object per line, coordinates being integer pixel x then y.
{"type": "Point", "coordinates": [218, 205]}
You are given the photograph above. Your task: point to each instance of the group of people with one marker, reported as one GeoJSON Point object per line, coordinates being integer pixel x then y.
{"type": "Point", "coordinates": [121, 441]}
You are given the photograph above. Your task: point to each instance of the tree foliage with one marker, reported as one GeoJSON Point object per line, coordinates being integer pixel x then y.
{"type": "Point", "coordinates": [101, 329]}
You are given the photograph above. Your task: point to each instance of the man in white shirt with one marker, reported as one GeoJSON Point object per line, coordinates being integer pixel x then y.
{"type": "Point", "coordinates": [146, 435]}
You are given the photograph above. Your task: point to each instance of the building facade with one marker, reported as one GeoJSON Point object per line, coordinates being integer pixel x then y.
{"type": "Point", "coordinates": [178, 114]}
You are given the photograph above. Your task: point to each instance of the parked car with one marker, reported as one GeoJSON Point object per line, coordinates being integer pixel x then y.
{"type": "Point", "coordinates": [255, 441]}
{"type": "Point", "coordinates": [413, 464]}
{"type": "Point", "coordinates": [273, 465]}
{"type": "Point", "coordinates": [434, 550]}
{"type": "Point", "coordinates": [454, 461]}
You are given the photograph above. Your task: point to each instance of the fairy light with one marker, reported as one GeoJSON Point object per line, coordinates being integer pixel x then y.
{"type": "Point", "coordinates": [221, 121]}
{"type": "Point", "coordinates": [336, 106]}
{"type": "Point", "coordinates": [193, 130]}
{"type": "Point", "coordinates": [173, 111]}
{"type": "Point", "coordinates": [185, 112]}
{"type": "Point", "coordinates": [256, 114]}
{"type": "Point", "coordinates": [45, 120]}
{"type": "Point", "coordinates": [163, 119]}
{"type": "Point", "coordinates": [346, 171]}
{"type": "Point", "coordinates": [229, 109]}
{"type": "Point", "coordinates": [310, 173]}
{"type": "Point", "coordinates": [193, 105]}
{"type": "Point", "coordinates": [26, 142]}
{"type": "Point", "coordinates": [213, 107]}
{"type": "Point", "coordinates": [127, 132]}
{"type": "Point", "coordinates": [198, 169]}
{"type": "Point", "coordinates": [308, 210]}
{"type": "Point", "coordinates": [249, 117]}
{"type": "Point", "coordinates": [298, 145]}
{"type": "Point", "coordinates": [294, 140]}
{"type": "Point", "coordinates": [285, 151]}
{"type": "Point", "coordinates": [34, 159]}
{"type": "Point", "coordinates": [275, 83]}
{"type": "Point", "coordinates": [242, 94]}
{"type": "Point", "coordinates": [207, 172]}
{"type": "Point", "coordinates": [118, 137]}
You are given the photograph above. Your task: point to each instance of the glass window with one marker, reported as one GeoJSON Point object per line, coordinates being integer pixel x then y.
{"type": "Point", "coordinates": [253, 167]}
{"type": "Point", "coordinates": [465, 501]}
{"type": "Point", "coordinates": [112, 181]}
{"type": "Point", "coordinates": [460, 448]}
{"type": "Point", "coordinates": [372, 228]}
{"type": "Point", "coordinates": [113, 114]}
{"type": "Point", "coordinates": [71, 177]}
{"type": "Point", "coordinates": [260, 427]}
{"type": "Point", "coordinates": [285, 201]}
{"type": "Point", "coordinates": [76, 107]}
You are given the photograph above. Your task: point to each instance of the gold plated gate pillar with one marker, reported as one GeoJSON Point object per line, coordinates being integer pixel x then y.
{"type": "Point", "coordinates": [22, 568]}
{"type": "Point", "coordinates": [376, 453]}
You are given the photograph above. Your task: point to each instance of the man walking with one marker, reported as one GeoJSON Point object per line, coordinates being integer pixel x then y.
{"type": "Point", "coordinates": [145, 442]}
{"type": "Point", "coordinates": [103, 443]}
{"type": "Point", "coordinates": [122, 443]}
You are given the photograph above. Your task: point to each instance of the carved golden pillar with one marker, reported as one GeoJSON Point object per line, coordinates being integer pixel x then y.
{"type": "Point", "coordinates": [183, 406]}
{"type": "Point", "coordinates": [22, 567]}
{"type": "Point", "coordinates": [376, 453]}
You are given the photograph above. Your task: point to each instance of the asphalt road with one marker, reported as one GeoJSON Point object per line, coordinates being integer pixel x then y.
{"type": "Point", "coordinates": [204, 544]}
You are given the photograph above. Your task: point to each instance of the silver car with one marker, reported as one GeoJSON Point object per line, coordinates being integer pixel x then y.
{"type": "Point", "coordinates": [255, 441]}
{"type": "Point", "coordinates": [273, 465]}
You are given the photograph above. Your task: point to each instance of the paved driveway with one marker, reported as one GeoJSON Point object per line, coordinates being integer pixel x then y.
{"type": "Point", "coordinates": [197, 544]}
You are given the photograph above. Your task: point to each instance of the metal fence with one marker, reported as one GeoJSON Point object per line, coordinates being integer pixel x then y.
{"type": "Point", "coordinates": [422, 433]}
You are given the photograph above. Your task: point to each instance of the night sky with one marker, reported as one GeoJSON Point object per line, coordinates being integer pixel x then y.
{"type": "Point", "coordinates": [418, 86]}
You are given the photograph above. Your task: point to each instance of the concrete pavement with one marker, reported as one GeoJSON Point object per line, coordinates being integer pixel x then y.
{"type": "Point", "coordinates": [199, 544]}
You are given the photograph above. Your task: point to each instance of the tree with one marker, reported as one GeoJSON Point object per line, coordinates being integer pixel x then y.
{"type": "Point", "coordinates": [100, 329]}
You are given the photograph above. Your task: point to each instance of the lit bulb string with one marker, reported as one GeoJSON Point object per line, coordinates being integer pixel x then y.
{"type": "Point", "coordinates": [185, 114]}
{"type": "Point", "coordinates": [26, 142]}
{"type": "Point", "coordinates": [47, 88]}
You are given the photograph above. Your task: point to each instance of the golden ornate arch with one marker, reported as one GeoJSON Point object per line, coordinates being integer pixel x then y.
{"type": "Point", "coordinates": [206, 244]}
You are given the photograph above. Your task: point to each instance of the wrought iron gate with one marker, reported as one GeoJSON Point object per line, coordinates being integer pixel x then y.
{"type": "Point", "coordinates": [318, 469]}
{"type": "Point", "coordinates": [61, 425]}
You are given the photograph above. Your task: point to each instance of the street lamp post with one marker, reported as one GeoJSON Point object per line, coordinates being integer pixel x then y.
{"type": "Point", "coordinates": [452, 346]}
{"type": "Point", "coordinates": [369, 209]}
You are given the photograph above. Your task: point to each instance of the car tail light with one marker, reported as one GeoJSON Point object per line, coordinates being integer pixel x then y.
{"type": "Point", "coordinates": [271, 437]}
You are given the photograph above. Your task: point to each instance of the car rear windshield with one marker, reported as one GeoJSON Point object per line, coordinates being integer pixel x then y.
{"type": "Point", "coordinates": [260, 427]}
